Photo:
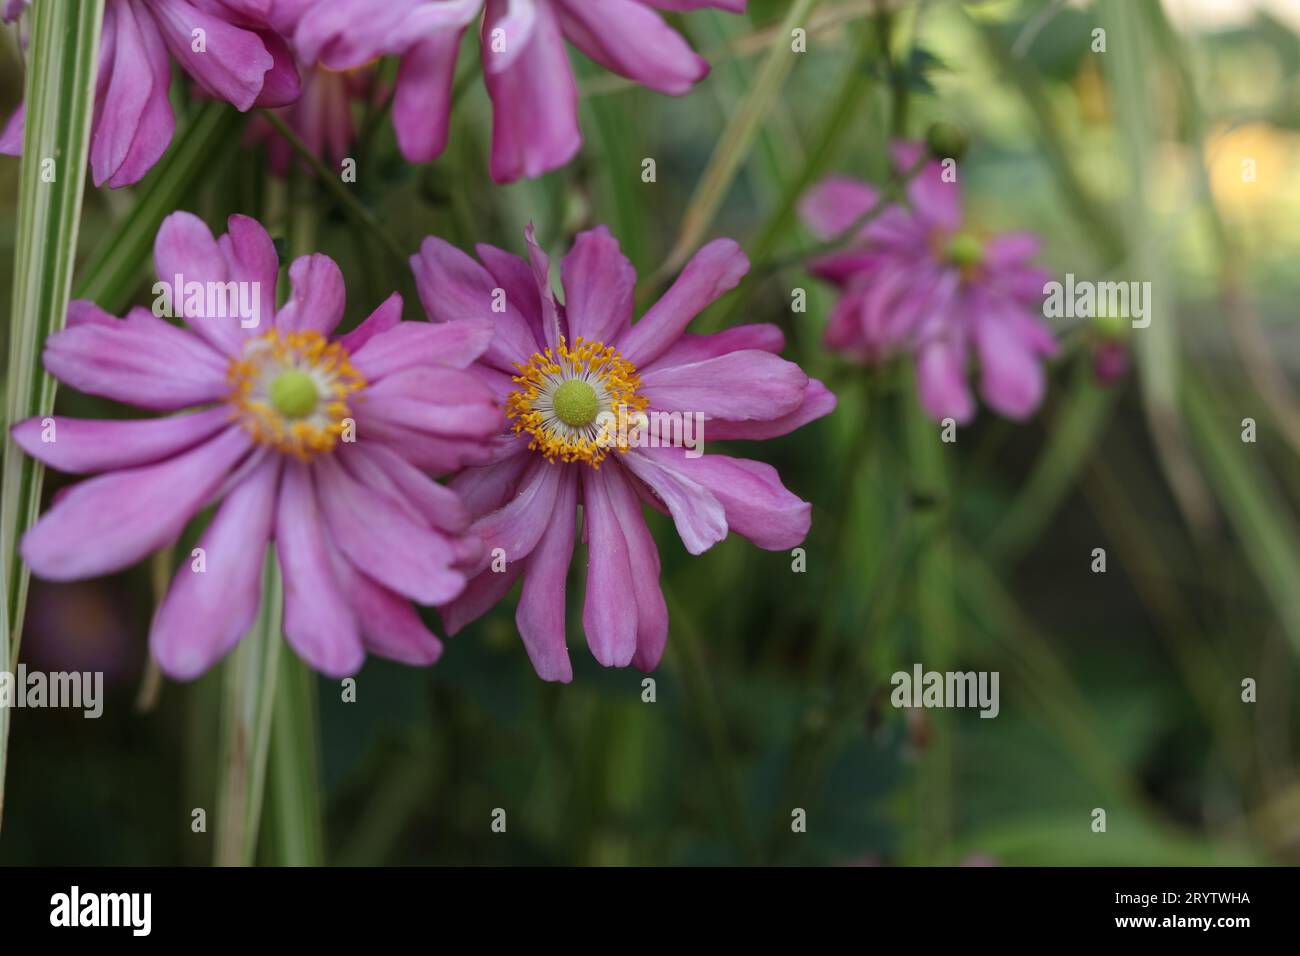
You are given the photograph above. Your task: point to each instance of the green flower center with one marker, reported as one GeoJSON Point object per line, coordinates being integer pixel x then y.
{"type": "Point", "coordinates": [294, 394]}
{"type": "Point", "coordinates": [965, 250]}
{"type": "Point", "coordinates": [575, 403]}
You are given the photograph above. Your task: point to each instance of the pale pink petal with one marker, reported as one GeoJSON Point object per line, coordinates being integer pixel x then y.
{"type": "Point", "coordinates": [541, 612]}
{"type": "Point", "coordinates": [818, 402]}
{"type": "Point", "coordinates": [110, 522]}
{"type": "Point", "coordinates": [318, 297]}
{"type": "Point", "coordinates": [739, 386]}
{"type": "Point", "coordinates": [84, 446]}
{"type": "Point", "coordinates": [209, 607]}
{"type": "Point", "coordinates": [714, 270]}
{"type": "Point", "coordinates": [699, 516]}
{"type": "Point", "coordinates": [608, 614]}
{"type": "Point", "coordinates": [599, 283]}
{"type": "Point", "coordinates": [628, 38]}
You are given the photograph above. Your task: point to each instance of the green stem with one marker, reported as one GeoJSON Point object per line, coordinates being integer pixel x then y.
{"type": "Point", "coordinates": [332, 182]}
{"type": "Point", "coordinates": [247, 707]}
{"type": "Point", "coordinates": [59, 97]}
{"type": "Point", "coordinates": [296, 816]}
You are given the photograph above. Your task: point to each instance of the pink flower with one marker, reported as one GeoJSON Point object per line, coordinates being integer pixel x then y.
{"type": "Point", "coordinates": [315, 443]}
{"type": "Point", "coordinates": [558, 370]}
{"type": "Point", "coordinates": [917, 282]}
{"type": "Point", "coordinates": [226, 46]}
{"type": "Point", "coordinates": [322, 118]}
{"type": "Point", "coordinates": [526, 65]}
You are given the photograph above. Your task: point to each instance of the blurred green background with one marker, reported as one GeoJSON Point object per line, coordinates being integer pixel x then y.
{"type": "Point", "coordinates": [1119, 690]}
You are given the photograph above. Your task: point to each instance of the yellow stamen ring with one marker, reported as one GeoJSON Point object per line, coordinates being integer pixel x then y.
{"type": "Point", "coordinates": [291, 391]}
{"type": "Point", "coordinates": [570, 400]}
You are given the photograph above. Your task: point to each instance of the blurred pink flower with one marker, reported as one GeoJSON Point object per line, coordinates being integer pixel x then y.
{"type": "Point", "coordinates": [1110, 361]}
{"type": "Point", "coordinates": [242, 60]}
{"type": "Point", "coordinates": [915, 281]}
{"type": "Point", "coordinates": [555, 369]}
{"type": "Point", "coordinates": [526, 65]}
{"type": "Point", "coordinates": [315, 443]}
{"type": "Point", "coordinates": [322, 118]}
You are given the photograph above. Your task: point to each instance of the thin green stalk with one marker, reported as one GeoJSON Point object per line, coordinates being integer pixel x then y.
{"type": "Point", "coordinates": [736, 141]}
{"type": "Point", "coordinates": [60, 99]}
{"type": "Point", "coordinates": [247, 707]}
{"type": "Point", "coordinates": [332, 182]}
{"type": "Point", "coordinates": [122, 257]}
{"type": "Point", "coordinates": [296, 815]}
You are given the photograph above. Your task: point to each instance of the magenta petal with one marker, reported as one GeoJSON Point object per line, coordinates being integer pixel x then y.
{"type": "Point", "coordinates": [599, 283]}
{"type": "Point", "coordinates": [235, 62]}
{"type": "Point", "coordinates": [936, 202]}
{"type": "Point", "coordinates": [608, 616]}
{"type": "Point", "coordinates": [714, 270]}
{"type": "Point", "coordinates": [378, 466]}
{"type": "Point", "coordinates": [373, 532]}
{"type": "Point", "coordinates": [444, 401]}
{"type": "Point", "coordinates": [835, 204]}
{"type": "Point", "coordinates": [412, 344]}
{"type": "Point", "coordinates": [317, 300]}
{"type": "Point", "coordinates": [643, 558]}
{"type": "Point", "coordinates": [481, 595]}
{"type": "Point", "coordinates": [698, 515]}
{"type": "Point", "coordinates": [817, 403]}
{"type": "Point", "coordinates": [422, 103]}
{"type": "Point", "coordinates": [541, 612]}
{"type": "Point", "coordinates": [628, 38]}
{"type": "Point", "coordinates": [941, 381]}
{"type": "Point", "coordinates": [107, 523]}
{"type": "Point", "coordinates": [134, 124]}
{"type": "Point", "coordinates": [11, 136]}
{"type": "Point", "coordinates": [758, 506]}
{"type": "Point", "coordinates": [390, 625]}
{"type": "Point", "coordinates": [731, 6]}
{"type": "Point", "coordinates": [251, 257]}
{"type": "Point", "coordinates": [1011, 378]}
{"type": "Point", "coordinates": [139, 360]}
{"type": "Point", "coordinates": [516, 527]}
{"type": "Point", "coordinates": [184, 252]}
{"type": "Point", "coordinates": [83, 446]}
{"type": "Point", "coordinates": [553, 328]}
{"type": "Point", "coordinates": [319, 623]}
{"type": "Point", "coordinates": [514, 277]}
{"type": "Point", "coordinates": [382, 319]}
{"type": "Point", "coordinates": [534, 100]}
{"type": "Point", "coordinates": [738, 386]}
{"type": "Point", "coordinates": [281, 85]}
{"type": "Point", "coordinates": [453, 287]}
{"type": "Point", "coordinates": [487, 488]}
{"type": "Point", "coordinates": [207, 611]}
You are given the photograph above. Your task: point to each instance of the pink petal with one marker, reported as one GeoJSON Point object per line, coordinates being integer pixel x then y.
{"type": "Point", "coordinates": [941, 381]}
{"type": "Point", "coordinates": [488, 488]}
{"type": "Point", "coordinates": [373, 533]}
{"type": "Point", "coordinates": [235, 63]}
{"type": "Point", "coordinates": [696, 348]}
{"type": "Point", "coordinates": [11, 136]}
{"type": "Point", "coordinates": [518, 525]}
{"type": "Point", "coordinates": [412, 344]}
{"type": "Point", "coordinates": [82, 446]}
{"type": "Point", "coordinates": [599, 283]}
{"type": "Point", "coordinates": [757, 505]}
{"type": "Point", "coordinates": [541, 612]}
{"type": "Point", "coordinates": [319, 623]}
{"type": "Point", "coordinates": [643, 559]}
{"type": "Point", "coordinates": [134, 124]}
{"type": "Point", "coordinates": [185, 248]}
{"type": "Point", "coordinates": [938, 203]}
{"type": "Point", "coordinates": [382, 319]}
{"type": "Point", "coordinates": [628, 38]}
{"type": "Point", "coordinates": [107, 523]}
{"type": "Point", "coordinates": [835, 204]}
{"type": "Point", "coordinates": [817, 403]}
{"type": "Point", "coordinates": [206, 613]}
{"type": "Point", "coordinates": [379, 466]}
{"type": "Point", "coordinates": [453, 287]}
{"type": "Point", "coordinates": [608, 616]}
{"type": "Point", "coordinates": [514, 276]}
{"type": "Point", "coordinates": [1011, 378]}
{"type": "Point", "coordinates": [139, 360]}
{"type": "Point", "coordinates": [699, 516]}
{"type": "Point", "coordinates": [714, 270]}
{"type": "Point", "coordinates": [318, 297]}
{"type": "Point", "coordinates": [251, 257]}
{"type": "Point", "coordinates": [481, 595]}
{"type": "Point", "coordinates": [390, 625]}
{"type": "Point", "coordinates": [739, 386]}
{"type": "Point", "coordinates": [534, 100]}
{"type": "Point", "coordinates": [422, 103]}
{"type": "Point", "coordinates": [444, 401]}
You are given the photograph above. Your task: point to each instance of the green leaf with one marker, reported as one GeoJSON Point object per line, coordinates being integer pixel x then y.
{"type": "Point", "coordinates": [60, 103]}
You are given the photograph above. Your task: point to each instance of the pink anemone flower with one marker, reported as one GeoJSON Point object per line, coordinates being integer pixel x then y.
{"type": "Point", "coordinates": [564, 373]}
{"type": "Point", "coordinates": [917, 281]}
{"type": "Point", "coordinates": [316, 443]}
{"type": "Point", "coordinates": [526, 66]}
{"type": "Point", "coordinates": [227, 47]}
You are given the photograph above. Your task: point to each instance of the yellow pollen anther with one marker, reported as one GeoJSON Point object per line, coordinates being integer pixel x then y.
{"type": "Point", "coordinates": [291, 391]}
{"type": "Point", "coordinates": [570, 400]}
